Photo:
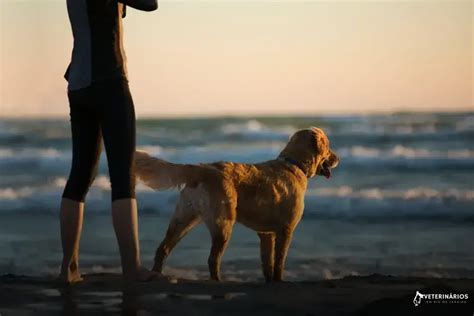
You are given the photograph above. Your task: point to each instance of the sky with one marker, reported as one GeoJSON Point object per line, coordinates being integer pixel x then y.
{"type": "Point", "coordinates": [208, 58]}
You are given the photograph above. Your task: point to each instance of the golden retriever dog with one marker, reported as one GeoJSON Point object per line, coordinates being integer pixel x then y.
{"type": "Point", "coordinates": [267, 197]}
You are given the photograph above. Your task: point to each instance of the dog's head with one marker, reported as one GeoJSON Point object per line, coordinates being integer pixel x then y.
{"type": "Point", "coordinates": [310, 149]}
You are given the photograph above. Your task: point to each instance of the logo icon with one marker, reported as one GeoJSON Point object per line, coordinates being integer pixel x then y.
{"type": "Point", "coordinates": [418, 297]}
{"type": "Point", "coordinates": [440, 298]}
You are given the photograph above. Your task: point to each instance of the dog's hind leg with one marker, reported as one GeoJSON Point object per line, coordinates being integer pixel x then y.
{"type": "Point", "coordinates": [267, 253]}
{"type": "Point", "coordinates": [183, 220]}
{"type": "Point", "coordinates": [283, 240]}
{"type": "Point", "coordinates": [220, 234]}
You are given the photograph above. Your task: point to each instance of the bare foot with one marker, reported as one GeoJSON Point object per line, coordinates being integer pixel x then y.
{"type": "Point", "coordinates": [145, 275]}
{"type": "Point", "coordinates": [70, 277]}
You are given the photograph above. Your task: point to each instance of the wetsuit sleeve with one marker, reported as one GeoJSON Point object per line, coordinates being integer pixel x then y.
{"type": "Point", "coordinates": [143, 5]}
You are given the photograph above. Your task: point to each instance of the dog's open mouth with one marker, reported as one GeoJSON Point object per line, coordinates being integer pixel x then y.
{"type": "Point", "coordinates": [325, 170]}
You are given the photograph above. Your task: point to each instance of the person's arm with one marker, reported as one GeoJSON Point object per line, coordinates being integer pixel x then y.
{"type": "Point", "coordinates": [143, 5]}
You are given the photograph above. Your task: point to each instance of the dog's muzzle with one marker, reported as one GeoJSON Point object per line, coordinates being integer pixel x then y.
{"type": "Point", "coordinates": [328, 164]}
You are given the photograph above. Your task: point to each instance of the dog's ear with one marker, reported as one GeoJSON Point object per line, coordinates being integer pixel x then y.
{"type": "Point", "coordinates": [320, 148]}
{"type": "Point", "coordinates": [319, 140]}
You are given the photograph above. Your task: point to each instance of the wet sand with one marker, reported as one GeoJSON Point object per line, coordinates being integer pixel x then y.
{"type": "Point", "coordinates": [104, 294]}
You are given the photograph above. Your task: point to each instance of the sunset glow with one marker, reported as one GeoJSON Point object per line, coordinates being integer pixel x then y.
{"type": "Point", "coordinates": [255, 57]}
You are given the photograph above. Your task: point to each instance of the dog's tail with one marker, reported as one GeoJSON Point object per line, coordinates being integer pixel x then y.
{"type": "Point", "coordinates": [160, 174]}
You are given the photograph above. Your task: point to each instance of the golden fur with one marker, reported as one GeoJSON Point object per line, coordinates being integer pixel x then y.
{"type": "Point", "coordinates": [267, 197]}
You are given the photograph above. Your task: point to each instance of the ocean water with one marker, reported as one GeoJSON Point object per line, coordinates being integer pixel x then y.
{"type": "Point", "coordinates": [401, 200]}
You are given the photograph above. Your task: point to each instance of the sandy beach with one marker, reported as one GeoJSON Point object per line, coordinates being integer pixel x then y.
{"type": "Point", "coordinates": [105, 294]}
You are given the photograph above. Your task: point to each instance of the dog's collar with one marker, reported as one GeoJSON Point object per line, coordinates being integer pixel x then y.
{"type": "Point", "coordinates": [293, 162]}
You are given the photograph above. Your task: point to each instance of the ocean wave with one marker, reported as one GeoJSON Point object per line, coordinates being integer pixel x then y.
{"type": "Point", "coordinates": [465, 124]}
{"type": "Point", "coordinates": [256, 130]}
{"type": "Point", "coordinates": [179, 132]}
{"type": "Point", "coordinates": [362, 126]}
{"type": "Point", "coordinates": [153, 150]}
{"type": "Point", "coordinates": [400, 151]}
{"type": "Point", "coordinates": [419, 193]}
{"type": "Point", "coordinates": [390, 129]}
{"type": "Point", "coordinates": [102, 183]}
{"type": "Point", "coordinates": [339, 203]}
{"type": "Point", "coordinates": [51, 158]}
{"type": "Point", "coordinates": [15, 194]}
{"type": "Point", "coordinates": [54, 161]}
{"type": "Point", "coordinates": [32, 153]}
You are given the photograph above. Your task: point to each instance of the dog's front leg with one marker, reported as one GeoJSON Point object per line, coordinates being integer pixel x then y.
{"type": "Point", "coordinates": [267, 253]}
{"type": "Point", "coordinates": [283, 240]}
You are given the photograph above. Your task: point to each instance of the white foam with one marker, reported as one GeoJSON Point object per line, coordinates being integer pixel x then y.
{"type": "Point", "coordinates": [418, 193]}
{"type": "Point", "coordinates": [60, 182]}
{"type": "Point", "coordinates": [460, 154]}
{"type": "Point", "coordinates": [6, 153]}
{"type": "Point", "coordinates": [466, 124]}
{"type": "Point", "coordinates": [14, 194]}
{"type": "Point", "coordinates": [104, 269]}
{"type": "Point", "coordinates": [400, 151]}
{"type": "Point", "coordinates": [389, 127]}
{"type": "Point", "coordinates": [31, 153]}
{"type": "Point", "coordinates": [256, 129]}
{"type": "Point", "coordinates": [406, 152]}
{"type": "Point", "coordinates": [153, 150]}
{"type": "Point", "coordinates": [102, 182]}
{"type": "Point", "coordinates": [360, 151]}
{"type": "Point", "coordinates": [251, 125]}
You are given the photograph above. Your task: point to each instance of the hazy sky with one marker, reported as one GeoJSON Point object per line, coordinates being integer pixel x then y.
{"type": "Point", "coordinates": [255, 57]}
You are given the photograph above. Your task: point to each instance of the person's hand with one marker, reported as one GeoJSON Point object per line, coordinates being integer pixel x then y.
{"type": "Point", "coordinates": [143, 5]}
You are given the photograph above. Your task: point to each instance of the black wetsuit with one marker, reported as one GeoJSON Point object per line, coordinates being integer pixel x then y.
{"type": "Point", "coordinates": [101, 106]}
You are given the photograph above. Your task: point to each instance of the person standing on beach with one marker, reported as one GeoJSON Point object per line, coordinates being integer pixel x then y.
{"type": "Point", "coordinates": [101, 107]}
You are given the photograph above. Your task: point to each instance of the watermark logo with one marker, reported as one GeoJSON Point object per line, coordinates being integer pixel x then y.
{"type": "Point", "coordinates": [440, 298]}
{"type": "Point", "coordinates": [417, 299]}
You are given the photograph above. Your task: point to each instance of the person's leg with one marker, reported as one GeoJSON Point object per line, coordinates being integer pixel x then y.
{"type": "Point", "coordinates": [118, 129]}
{"type": "Point", "coordinates": [125, 221]}
{"type": "Point", "coordinates": [86, 147]}
{"type": "Point", "coordinates": [71, 218]}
